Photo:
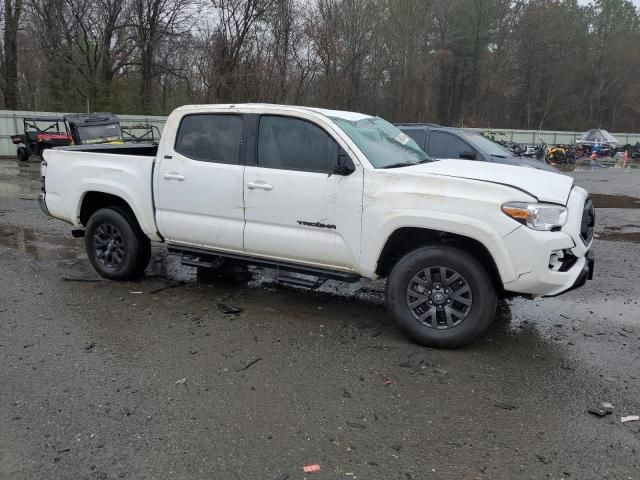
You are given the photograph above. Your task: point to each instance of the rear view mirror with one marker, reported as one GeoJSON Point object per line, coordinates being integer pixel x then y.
{"type": "Point", "coordinates": [468, 155]}
{"type": "Point", "coordinates": [344, 165]}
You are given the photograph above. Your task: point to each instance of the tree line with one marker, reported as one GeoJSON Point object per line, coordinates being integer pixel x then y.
{"type": "Point", "coordinates": [550, 64]}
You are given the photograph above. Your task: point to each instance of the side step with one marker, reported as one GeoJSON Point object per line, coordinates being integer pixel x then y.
{"type": "Point", "coordinates": [198, 257]}
{"type": "Point", "coordinates": [296, 281]}
{"type": "Point", "coordinates": [200, 260]}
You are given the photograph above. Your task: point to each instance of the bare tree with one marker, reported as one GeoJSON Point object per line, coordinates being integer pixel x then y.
{"type": "Point", "coordinates": [155, 21]}
{"type": "Point", "coordinates": [12, 13]}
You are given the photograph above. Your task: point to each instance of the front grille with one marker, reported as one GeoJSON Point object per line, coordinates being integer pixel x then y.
{"type": "Point", "coordinates": [588, 222]}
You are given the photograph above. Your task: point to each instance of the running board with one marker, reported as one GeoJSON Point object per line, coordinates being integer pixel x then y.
{"type": "Point", "coordinates": [197, 261]}
{"type": "Point", "coordinates": [197, 257]}
{"type": "Point", "coordinates": [311, 283]}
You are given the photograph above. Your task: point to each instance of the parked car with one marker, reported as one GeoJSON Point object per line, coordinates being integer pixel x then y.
{"type": "Point", "coordinates": [38, 134]}
{"type": "Point", "coordinates": [332, 195]}
{"type": "Point", "coordinates": [458, 143]}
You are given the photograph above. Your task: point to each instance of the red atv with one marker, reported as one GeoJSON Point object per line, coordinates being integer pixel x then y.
{"type": "Point", "coordinates": [39, 134]}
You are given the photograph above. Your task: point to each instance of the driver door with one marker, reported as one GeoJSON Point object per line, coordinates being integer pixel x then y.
{"type": "Point", "coordinates": [295, 208]}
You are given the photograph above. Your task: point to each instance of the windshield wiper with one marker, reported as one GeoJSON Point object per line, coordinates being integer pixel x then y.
{"type": "Point", "coordinates": [499, 156]}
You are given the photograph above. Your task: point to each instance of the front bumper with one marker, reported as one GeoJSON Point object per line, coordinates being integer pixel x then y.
{"type": "Point", "coordinates": [43, 204]}
{"type": "Point", "coordinates": [531, 252]}
{"type": "Point", "coordinates": [585, 274]}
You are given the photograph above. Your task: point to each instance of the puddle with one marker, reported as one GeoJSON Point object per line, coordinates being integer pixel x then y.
{"type": "Point", "coordinates": [609, 236]}
{"type": "Point", "coordinates": [601, 200]}
{"type": "Point", "coordinates": [19, 179]}
{"type": "Point", "coordinates": [41, 246]}
{"type": "Point", "coordinates": [589, 165]}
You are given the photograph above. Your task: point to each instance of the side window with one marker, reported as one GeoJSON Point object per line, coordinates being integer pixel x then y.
{"type": "Point", "coordinates": [418, 134]}
{"type": "Point", "coordinates": [445, 145]}
{"type": "Point", "coordinates": [210, 138]}
{"type": "Point", "coordinates": [293, 144]}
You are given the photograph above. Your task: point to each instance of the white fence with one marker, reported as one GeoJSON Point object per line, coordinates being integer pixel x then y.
{"type": "Point", "coordinates": [11, 123]}
{"type": "Point", "coordinates": [550, 137]}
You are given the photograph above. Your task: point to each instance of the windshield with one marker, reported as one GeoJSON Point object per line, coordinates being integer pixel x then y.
{"type": "Point", "coordinates": [100, 133]}
{"type": "Point", "coordinates": [384, 145]}
{"type": "Point", "coordinates": [485, 145]}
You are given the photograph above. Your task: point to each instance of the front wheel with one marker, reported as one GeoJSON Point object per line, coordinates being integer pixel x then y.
{"type": "Point", "coordinates": [116, 246]}
{"type": "Point", "coordinates": [441, 296]}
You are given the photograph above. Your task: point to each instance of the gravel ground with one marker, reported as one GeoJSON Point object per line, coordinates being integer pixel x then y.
{"type": "Point", "coordinates": [151, 380]}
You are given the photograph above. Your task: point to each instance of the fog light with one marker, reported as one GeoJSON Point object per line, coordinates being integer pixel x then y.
{"type": "Point", "coordinates": [555, 260]}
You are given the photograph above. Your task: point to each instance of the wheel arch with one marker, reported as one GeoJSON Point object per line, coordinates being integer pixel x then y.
{"type": "Point", "coordinates": [94, 200]}
{"type": "Point", "coordinates": [406, 239]}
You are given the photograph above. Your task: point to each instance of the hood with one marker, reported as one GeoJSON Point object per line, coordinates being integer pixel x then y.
{"type": "Point", "coordinates": [545, 186]}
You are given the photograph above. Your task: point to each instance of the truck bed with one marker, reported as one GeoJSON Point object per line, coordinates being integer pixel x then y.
{"type": "Point", "coordinates": [73, 173]}
{"type": "Point", "coordinates": [137, 149]}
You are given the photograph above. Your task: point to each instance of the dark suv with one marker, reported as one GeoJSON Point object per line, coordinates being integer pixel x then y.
{"type": "Point", "coordinates": [448, 142]}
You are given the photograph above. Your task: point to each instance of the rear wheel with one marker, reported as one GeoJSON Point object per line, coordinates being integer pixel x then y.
{"type": "Point", "coordinates": [441, 297]}
{"type": "Point", "coordinates": [116, 246]}
{"type": "Point", "coordinates": [23, 155]}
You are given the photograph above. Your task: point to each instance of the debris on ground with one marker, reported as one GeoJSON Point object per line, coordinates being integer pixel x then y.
{"type": "Point", "coordinates": [502, 405]}
{"type": "Point", "coordinates": [576, 327]}
{"type": "Point", "coordinates": [311, 468]}
{"type": "Point", "coordinates": [135, 292]}
{"type": "Point", "coordinates": [543, 459]}
{"type": "Point", "coordinates": [168, 286]}
{"type": "Point", "coordinates": [249, 365]}
{"type": "Point", "coordinates": [630, 418]}
{"type": "Point", "coordinates": [67, 278]}
{"type": "Point", "coordinates": [346, 394]}
{"type": "Point", "coordinates": [387, 381]}
{"type": "Point", "coordinates": [601, 410]}
{"type": "Point", "coordinates": [228, 309]}
{"type": "Point", "coordinates": [89, 347]}
{"type": "Point", "coordinates": [356, 425]}
{"type": "Point", "coordinates": [182, 381]}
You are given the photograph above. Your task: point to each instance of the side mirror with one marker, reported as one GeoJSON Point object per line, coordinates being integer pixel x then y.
{"type": "Point", "coordinates": [344, 165]}
{"type": "Point", "coordinates": [468, 155]}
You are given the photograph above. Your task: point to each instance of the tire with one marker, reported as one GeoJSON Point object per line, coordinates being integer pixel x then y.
{"type": "Point", "coordinates": [116, 246]}
{"type": "Point", "coordinates": [23, 155]}
{"type": "Point", "coordinates": [467, 292]}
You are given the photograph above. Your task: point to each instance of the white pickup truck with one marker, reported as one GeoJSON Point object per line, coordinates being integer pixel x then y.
{"type": "Point", "coordinates": [333, 195]}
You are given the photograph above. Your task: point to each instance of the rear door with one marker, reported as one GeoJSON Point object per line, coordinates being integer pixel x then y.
{"type": "Point", "coordinates": [199, 183]}
{"type": "Point", "coordinates": [296, 209]}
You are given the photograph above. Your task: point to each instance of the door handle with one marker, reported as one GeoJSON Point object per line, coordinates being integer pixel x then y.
{"type": "Point", "coordinates": [173, 176]}
{"type": "Point", "coordinates": [260, 185]}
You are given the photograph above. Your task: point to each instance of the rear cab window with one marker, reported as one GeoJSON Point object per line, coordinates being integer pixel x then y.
{"type": "Point", "coordinates": [210, 137]}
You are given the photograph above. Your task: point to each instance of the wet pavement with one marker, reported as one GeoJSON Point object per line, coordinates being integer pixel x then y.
{"type": "Point", "coordinates": [151, 379]}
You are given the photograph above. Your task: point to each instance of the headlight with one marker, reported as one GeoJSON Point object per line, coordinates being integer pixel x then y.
{"type": "Point", "coordinates": [538, 216]}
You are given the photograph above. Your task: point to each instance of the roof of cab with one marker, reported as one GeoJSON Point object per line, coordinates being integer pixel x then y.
{"type": "Point", "coordinates": [351, 116]}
